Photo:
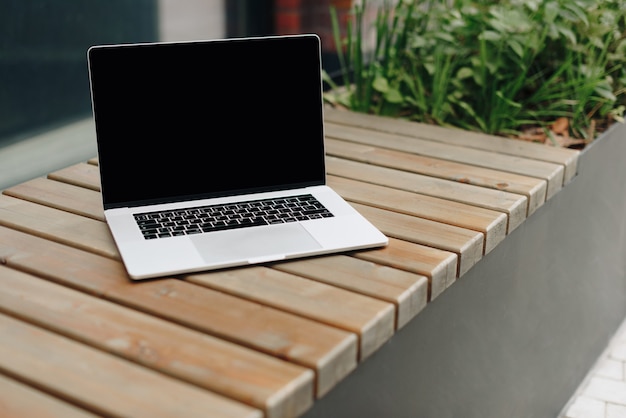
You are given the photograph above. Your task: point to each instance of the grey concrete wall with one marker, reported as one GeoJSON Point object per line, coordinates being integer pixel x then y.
{"type": "Point", "coordinates": [516, 335]}
{"type": "Point", "coordinates": [191, 19]}
{"type": "Point", "coordinates": [46, 152]}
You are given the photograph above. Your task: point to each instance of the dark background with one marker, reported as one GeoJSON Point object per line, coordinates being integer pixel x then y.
{"type": "Point", "coordinates": [43, 44]}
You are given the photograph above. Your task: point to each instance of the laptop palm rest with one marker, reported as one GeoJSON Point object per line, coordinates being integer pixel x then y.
{"type": "Point", "coordinates": [255, 244]}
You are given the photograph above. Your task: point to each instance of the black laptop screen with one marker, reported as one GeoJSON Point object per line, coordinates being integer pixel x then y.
{"type": "Point", "coordinates": [206, 119]}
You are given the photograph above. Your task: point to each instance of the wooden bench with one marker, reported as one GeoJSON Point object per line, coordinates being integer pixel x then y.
{"type": "Point", "coordinates": [79, 338]}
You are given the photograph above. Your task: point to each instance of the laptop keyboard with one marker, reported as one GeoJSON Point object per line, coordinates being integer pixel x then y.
{"type": "Point", "coordinates": [201, 219]}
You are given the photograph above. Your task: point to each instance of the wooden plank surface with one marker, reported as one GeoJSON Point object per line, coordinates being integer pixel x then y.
{"type": "Point", "coordinates": [59, 195]}
{"type": "Point", "coordinates": [533, 188]}
{"type": "Point", "coordinates": [79, 174]}
{"type": "Point", "coordinates": [58, 225]}
{"type": "Point", "coordinates": [20, 400]}
{"type": "Point", "coordinates": [468, 245]}
{"type": "Point", "coordinates": [93, 236]}
{"type": "Point", "coordinates": [100, 382]}
{"type": "Point", "coordinates": [514, 205]}
{"type": "Point", "coordinates": [439, 266]}
{"type": "Point", "coordinates": [374, 326]}
{"type": "Point", "coordinates": [330, 352]}
{"type": "Point", "coordinates": [566, 157]}
{"type": "Point", "coordinates": [371, 319]}
{"type": "Point", "coordinates": [225, 368]}
{"type": "Point", "coordinates": [552, 173]}
{"type": "Point", "coordinates": [492, 224]}
{"type": "Point", "coordinates": [409, 292]}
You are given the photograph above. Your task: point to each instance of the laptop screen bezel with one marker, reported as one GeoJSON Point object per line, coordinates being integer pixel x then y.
{"type": "Point", "coordinates": [109, 172]}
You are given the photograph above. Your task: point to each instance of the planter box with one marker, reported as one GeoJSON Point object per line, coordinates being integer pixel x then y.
{"type": "Point", "coordinates": [516, 334]}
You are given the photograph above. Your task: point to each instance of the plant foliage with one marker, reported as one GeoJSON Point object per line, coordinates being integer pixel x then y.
{"type": "Point", "coordinates": [492, 66]}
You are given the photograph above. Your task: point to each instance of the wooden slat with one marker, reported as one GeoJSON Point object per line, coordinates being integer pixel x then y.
{"type": "Point", "coordinates": [513, 205]}
{"type": "Point", "coordinates": [279, 388]}
{"type": "Point", "coordinates": [467, 244]}
{"type": "Point", "coordinates": [85, 175]}
{"type": "Point", "coordinates": [439, 266]}
{"type": "Point", "coordinates": [566, 157]}
{"type": "Point", "coordinates": [57, 225]}
{"type": "Point", "coordinates": [371, 319]}
{"type": "Point", "coordinates": [533, 188]}
{"type": "Point", "coordinates": [66, 265]}
{"type": "Point", "coordinates": [492, 224]}
{"type": "Point", "coordinates": [61, 196]}
{"type": "Point", "coordinates": [22, 401]}
{"type": "Point", "coordinates": [407, 291]}
{"type": "Point", "coordinates": [331, 352]}
{"type": "Point", "coordinates": [103, 383]}
{"type": "Point", "coordinates": [79, 174]}
{"type": "Point", "coordinates": [552, 173]}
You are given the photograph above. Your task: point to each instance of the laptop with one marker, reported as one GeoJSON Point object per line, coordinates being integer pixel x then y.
{"type": "Point", "coordinates": [211, 155]}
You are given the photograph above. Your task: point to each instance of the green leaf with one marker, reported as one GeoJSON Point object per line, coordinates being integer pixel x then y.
{"type": "Point", "coordinates": [597, 42]}
{"type": "Point", "coordinates": [621, 48]}
{"type": "Point", "coordinates": [470, 111]}
{"type": "Point", "coordinates": [417, 41]}
{"type": "Point", "coordinates": [516, 47]}
{"type": "Point", "coordinates": [429, 67]}
{"type": "Point", "coordinates": [394, 96]}
{"type": "Point", "coordinates": [533, 5]}
{"type": "Point", "coordinates": [464, 72]}
{"type": "Point", "coordinates": [381, 84]}
{"type": "Point", "coordinates": [618, 114]}
{"type": "Point", "coordinates": [507, 100]}
{"type": "Point", "coordinates": [604, 91]}
{"type": "Point", "coordinates": [445, 36]}
{"type": "Point", "coordinates": [490, 35]}
{"type": "Point", "coordinates": [568, 33]}
{"type": "Point", "coordinates": [551, 12]}
{"type": "Point", "coordinates": [577, 11]}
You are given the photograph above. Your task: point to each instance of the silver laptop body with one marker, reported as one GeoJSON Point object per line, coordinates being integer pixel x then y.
{"type": "Point", "coordinates": [198, 141]}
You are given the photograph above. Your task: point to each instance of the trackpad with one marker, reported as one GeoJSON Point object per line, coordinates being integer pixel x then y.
{"type": "Point", "coordinates": [254, 243]}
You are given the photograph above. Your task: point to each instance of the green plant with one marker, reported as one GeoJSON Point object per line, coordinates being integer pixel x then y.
{"type": "Point", "coordinates": [485, 65]}
{"type": "Point", "coordinates": [366, 80]}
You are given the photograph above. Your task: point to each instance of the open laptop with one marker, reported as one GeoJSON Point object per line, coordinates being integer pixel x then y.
{"type": "Point", "coordinates": [211, 154]}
